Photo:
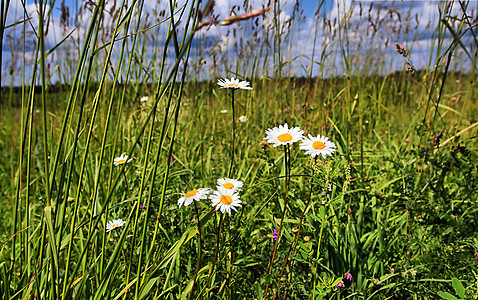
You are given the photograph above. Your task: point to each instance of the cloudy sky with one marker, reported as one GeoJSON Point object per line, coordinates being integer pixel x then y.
{"type": "Point", "coordinates": [312, 44]}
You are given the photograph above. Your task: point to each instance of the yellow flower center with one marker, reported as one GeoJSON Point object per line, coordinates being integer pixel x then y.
{"type": "Point", "coordinates": [317, 145]}
{"type": "Point", "coordinates": [225, 199]}
{"type": "Point", "coordinates": [191, 193]}
{"type": "Point", "coordinates": [228, 185]}
{"type": "Point", "coordinates": [284, 138]}
{"type": "Point", "coordinates": [232, 85]}
{"type": "Point", "coordinates": [114, 225]}
{"type": "Point", "coordinates": [121, 161]}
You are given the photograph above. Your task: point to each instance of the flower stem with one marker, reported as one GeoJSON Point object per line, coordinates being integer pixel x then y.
{"type": "Point", "coordinates": [215, 256]}
{"type": "Point", "coordinates": [231, 250]}
{"type": "Point", "coordinates": [126, 181]}
{"type": "Point", "coordinates": [320, 239]}
{"type": "Point", "coordinates": [229, 173]}
{"type": "Point", "coordinates": [293, 247]}
{"type": "Point", "coordinates": [276, 243]}
{"type": "Point", "coordinates": [200, 250]}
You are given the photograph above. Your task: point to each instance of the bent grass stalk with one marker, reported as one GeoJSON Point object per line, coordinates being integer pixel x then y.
{"type": "Point", "coordinates": [29, 140]}
{"type": "Point", "coordinates": [97, 13]}
{"type": "Point", "coordinates": [117, 130]}
{"type": "Point", "coordinates": [90, 134]}
{"type": "Point", "coordinates": [186, 47]}
{"type": "Point", "coordinates": [159, 95]}
{"type": "Point", "coordinates": [95, 204]}
{"type": "Point", "coordinates": [41, 41]}
{"type": "Point", "coordinates": [168, 164]}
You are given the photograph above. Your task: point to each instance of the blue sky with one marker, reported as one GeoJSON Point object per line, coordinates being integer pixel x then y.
{"type": "Point", "coordinates": [362, 41]}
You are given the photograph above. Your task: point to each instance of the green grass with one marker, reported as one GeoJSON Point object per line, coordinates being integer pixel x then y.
{"type": "Point", "coordinates": [401, 221]}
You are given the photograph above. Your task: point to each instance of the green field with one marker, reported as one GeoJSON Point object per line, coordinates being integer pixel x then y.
{"type": "Point", "coordinates": [391, 214]}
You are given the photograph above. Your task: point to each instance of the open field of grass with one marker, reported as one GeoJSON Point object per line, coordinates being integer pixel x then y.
{"type": "Point", "coordinates": [390, 214]}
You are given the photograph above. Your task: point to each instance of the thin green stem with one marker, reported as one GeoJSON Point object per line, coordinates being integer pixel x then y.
{"type": "Point", "coordinates": [29, 139]}
{"type": "Point", "coordinates": [43, 101]}
{"type": "Point", "coordinates": [276, 243]}
{"type": "Point", "coordinates": [293, 247]}
{"type": "Point", "coordinates": [41, 40]}
{"type": "Point", "coordinates": [199, 250]}
{"type": "Point", "coordinates": [318, 245]}
{"type": "Point", "coordinates": [123, 171]}
{"type": "Point", "coordinates": [216, 253]}
{"type": "Point", "coordinates": [231, 250]}
{"type": "Point", "coordinates": [229, 173]}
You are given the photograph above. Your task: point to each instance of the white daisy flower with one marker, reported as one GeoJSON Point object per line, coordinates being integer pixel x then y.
{"type": "Point", "coordinates": [229, 184]}
{"type": "Point", "coordinates": [233, 84]}
{"type": "Point", "coordinates": [318, 145]}
{"type": "Point", "coordinates": [144, 99]}
{"type": "Point", "coordinates": [223, 111]}
{"type": "Point", "coordinates": [224, 200]}
{"type": "Point", "coordinates": [243, 119]}
{"type": "Point", "coordinates": [114, 224]}
{"type": "Point", "coordinates": [282, 135]}
{"type": "Point", "coordinates": [196, 195]}
{"type": "Point", "coordinates": [122, 159]}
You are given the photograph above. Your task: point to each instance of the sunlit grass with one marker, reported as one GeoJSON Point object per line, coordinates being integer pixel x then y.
{"type": "Point", "coordinates": [101, 177]}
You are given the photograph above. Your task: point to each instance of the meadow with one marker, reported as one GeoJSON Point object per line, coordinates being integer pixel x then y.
{"type": "Point", "coordinates": [114, 152]}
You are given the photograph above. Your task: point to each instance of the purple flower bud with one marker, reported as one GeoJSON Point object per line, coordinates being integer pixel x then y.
{"type": "Point", "coordinates": [339, 285]}
{"type": "Point", "coordinates": [274, 235]}
{"type": "Point", "coordinates": [172, 158]}
{"type": "Point", "coordinates": [142, 207]}
{"type": "Point", "coordinates": [348, 276]}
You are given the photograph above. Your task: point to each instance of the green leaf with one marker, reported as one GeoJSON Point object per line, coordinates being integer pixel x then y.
{"type": "Point", "coordinates": [187, 290]}
{"type": "Point", "coordinates": [187, 235]}
{"type": "Point", "coordinates": [18, 23]}
{"type": "Point", "coordinates": [268, 279]}
{"type": "Point", "coordinates": [446, 295]}
{"type": "Point", "coordinates": [56, 46]}
{"type": "Point", "coordinates": [51, 234]}
{"type": "Point", "coordinates": [123, 291]}
{"type": "Point", "coordinates": [148, 287]}
{"type": "Point", "coordinates": [458, 286]}
{"type": "Point", "coordinates": [337, 281]}
{"type": "Point", "coordinates": [457, 38]}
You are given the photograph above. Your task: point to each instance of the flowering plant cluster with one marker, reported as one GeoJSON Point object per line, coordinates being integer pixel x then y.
{"type": "Point", "coordinates": [313, 145]}
{"type": "Point", "coordinates": [224, 199]}
{"type": "Point", "coordinates": [226, 196]}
